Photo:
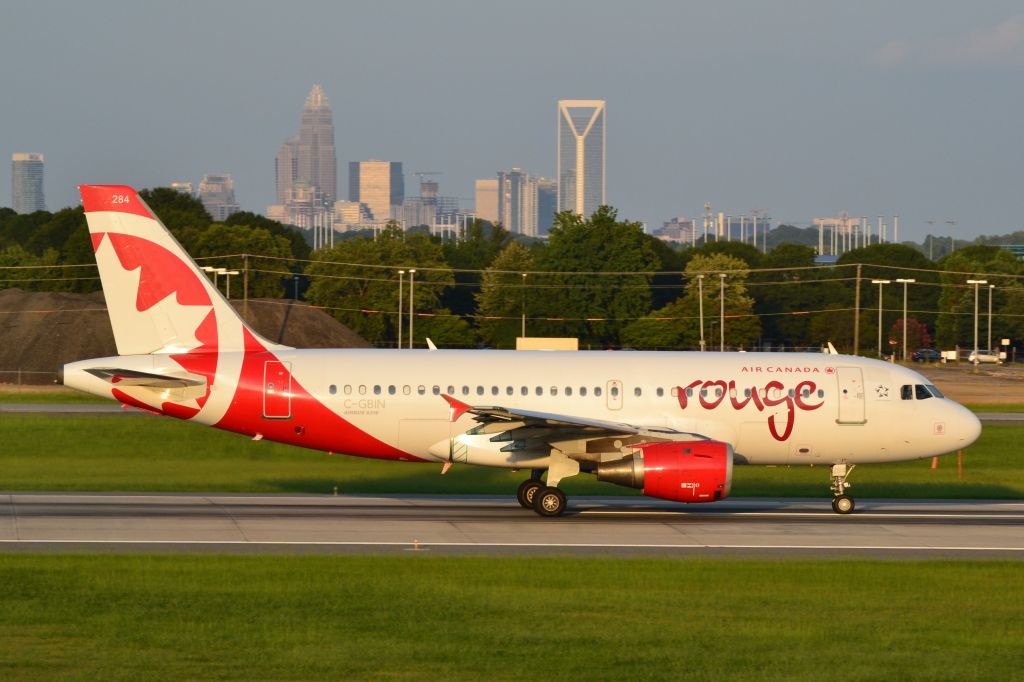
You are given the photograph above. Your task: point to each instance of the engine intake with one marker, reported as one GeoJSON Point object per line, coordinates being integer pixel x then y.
{"type": "Point", "coordinates": [689, 471]}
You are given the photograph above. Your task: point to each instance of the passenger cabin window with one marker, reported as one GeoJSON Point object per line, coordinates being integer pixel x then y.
{"type": "Point", "coordinates": [376, 389]}
{"type": "Point", "coordinates": [539, 390]}
{"type": "Point", "coordinates": [436, 390]}
{"type": "Point", "coordinates": [583, 391]}
{"type": "Point", "coordinates": [348, 389]}
{"type": "Point", "coordinates": [921, 393]}
{"type": "Point", "coordinates": [568, 391]}
{"type": "Point", "coordinates": [508, 390]}
{"type": "Point", "coordinates": [494, 390]}
{"type": "Point", "coordinates": [391, 390]}
{"type": "Point", "coordinates": [554, 390]}
{"type": "Point", "coordinates": [421, 389]}
{"type": "Point", "coordinates": [523, 390]}
{"type": "Point", "coordinates": [615, 391]}
{"type": "Point", "coordinates": [660, 392]}
{"type": "Point", "coordinates": [479, 390]}
{"type": "Point", "coordinates": [451, 390]}
{"type": "Point", "coordinates": [465, 390]}
{"type": "Point", "coordinates": [597, 391]}
{"type": "Point", "coordinates": [332, 389]}
{"type": "Point", "coordinates": [638, 391]}
{"type": "Point", "coordinates": [906, 392]}
{"type": "Point", "coordinates": [362, 389]}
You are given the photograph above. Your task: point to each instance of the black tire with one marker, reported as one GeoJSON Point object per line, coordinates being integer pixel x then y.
{"type": "Point", "coordinates": [843, 504]}
{"type": "Point", "coordinates": [549, 501]}
{"type": "Point", "coordinates": [526, 491]}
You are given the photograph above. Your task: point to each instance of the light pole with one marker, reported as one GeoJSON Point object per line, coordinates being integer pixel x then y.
{"type": "Point", "coordinates": [523, 332]}
{"type": "Point", "coordinates": [227, 278]}
{"type": "Point", "coordinates": [721, 314]}
{"type": "Point", "coordinates": [931, 239]}
{"type": "Point", "coordinates": [412, 278]}
{"type": "Point", "coordinates": [700, 300]}
{"type": "Point", "coordinates": [295, 279]}
{"type": "Point", "coordinates": [952, 239]}
{"type": "Point", "coordinates": [213, 271]}
{"type": "Point", "coordinates": [976, 282]}
{"type": "Point", "coordinates": [905, 282]}
{"type": "Point", "coordinates": [990, 288]}
{"type": "Point", "coordinates": [401, 274]}
{"type": "Point", "coordinates": [880, 283]}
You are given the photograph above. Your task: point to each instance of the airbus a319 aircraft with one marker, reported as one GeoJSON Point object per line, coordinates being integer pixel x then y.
{"type": "Point", "coordinates": [672, 424]}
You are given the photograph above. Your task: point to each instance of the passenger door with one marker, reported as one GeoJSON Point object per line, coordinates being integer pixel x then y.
{"type": "Point", "coordinates": [850, 381]}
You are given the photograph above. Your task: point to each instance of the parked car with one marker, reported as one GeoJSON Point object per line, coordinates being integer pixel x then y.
{"type": "Point", "coordinates": [984, 356]}
{"type": "Point", "coordinates": [926, 355]}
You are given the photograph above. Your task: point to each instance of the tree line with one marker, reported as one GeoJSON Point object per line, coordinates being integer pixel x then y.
{"type": "Point", "coordinates": [600, 279]}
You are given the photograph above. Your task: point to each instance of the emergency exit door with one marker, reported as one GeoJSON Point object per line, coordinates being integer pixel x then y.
{"type": "Point", "coordinates": [851, 395]}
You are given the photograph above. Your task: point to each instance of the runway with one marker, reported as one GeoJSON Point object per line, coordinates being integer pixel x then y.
{"type": "Point", "coordinates": [630, 526]}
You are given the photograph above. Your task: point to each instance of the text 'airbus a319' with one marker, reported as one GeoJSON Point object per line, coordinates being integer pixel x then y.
{"type": "Point", "coordinates": [672, 424]}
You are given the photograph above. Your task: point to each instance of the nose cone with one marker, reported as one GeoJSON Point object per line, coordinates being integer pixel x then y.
{"type": "Point", "coordinates": [968, 426]}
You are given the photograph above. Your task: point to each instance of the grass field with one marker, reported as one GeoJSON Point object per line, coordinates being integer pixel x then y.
{"type": "Point", "coordinates": [62, 397]}
{"type": "Point", "coordinates": [421, 617]}
{"type": "Point", "coordinates": [100, 453]}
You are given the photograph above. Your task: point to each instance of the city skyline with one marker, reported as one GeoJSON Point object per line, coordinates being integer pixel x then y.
{"type": "Point", "coordinates": [880, 110]}
{"type": "Point", "coordinates": [27, 182]}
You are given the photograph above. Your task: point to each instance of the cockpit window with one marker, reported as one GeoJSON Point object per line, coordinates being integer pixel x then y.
{"type": "Point", "coordinates": [935, 392]}
{"type": "Point", "coordinates": [906, 392]}
{"type": "Point", "coordinates": [921, 393]}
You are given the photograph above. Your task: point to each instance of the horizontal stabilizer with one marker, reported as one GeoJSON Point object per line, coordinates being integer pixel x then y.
{"type": "Point", "coordinates": [131, 377]}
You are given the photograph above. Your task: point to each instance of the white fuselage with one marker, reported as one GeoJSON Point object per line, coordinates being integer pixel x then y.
{"type": "Point", "coordinates": [808, 408]}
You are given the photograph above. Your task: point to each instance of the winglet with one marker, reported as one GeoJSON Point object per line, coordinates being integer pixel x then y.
{"type": "Point", "coordinates": [456, 408]}
{"type": "Point", "coordinates": [430, 344]}
{"type": "Point", "coordinates": [832, 349]}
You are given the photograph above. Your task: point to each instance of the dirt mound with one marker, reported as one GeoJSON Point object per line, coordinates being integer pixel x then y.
{"type": "Point", "coordinates": [40, 331]}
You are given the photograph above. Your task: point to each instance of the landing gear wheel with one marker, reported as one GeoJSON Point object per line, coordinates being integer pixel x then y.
{"type": "Point", "coordinates": [549, 501]}
{"type": "Point", "coordinates": [527, 490]}
{"type": "Point", "coordinates": [842, 504]}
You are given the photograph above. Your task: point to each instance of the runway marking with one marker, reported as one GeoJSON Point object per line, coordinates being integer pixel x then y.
{"type": "Point", "coordinates": [587, 545]}
{"type": "Point", "coordinates": [817, 515]}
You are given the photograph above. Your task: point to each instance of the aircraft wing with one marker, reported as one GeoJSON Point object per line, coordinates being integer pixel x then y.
{"type": "Point", "coordinates": [519, 425]}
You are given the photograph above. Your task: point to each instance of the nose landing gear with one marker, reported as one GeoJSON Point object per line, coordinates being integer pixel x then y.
{"type": "Point", "coordinates": [841, 502]}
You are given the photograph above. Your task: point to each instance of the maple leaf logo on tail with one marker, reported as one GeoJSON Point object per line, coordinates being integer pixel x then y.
{"type": "Point", "coordinates": [158, 299]}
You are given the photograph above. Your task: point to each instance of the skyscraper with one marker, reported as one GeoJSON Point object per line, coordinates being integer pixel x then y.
{"type": "Point", "coordinates": [317, 162]}
{"type": "Point", "coordinates": [581, 157]}
{"type": "Point", "coordinates": [487, 199]}
{"type": "Point", "coordinates": [517, 202]}
{"type": "Point", "coordinates": [286, 169]}
{"type": "Point", "coordinates": [378, 184]}
{"type": "Point", "coordinates": [27, 183]}
{"type": "Point", "coordinates": [547, 205]}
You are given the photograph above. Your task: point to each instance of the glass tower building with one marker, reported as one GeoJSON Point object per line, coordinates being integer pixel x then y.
{"type": "Point", "coordinates": [316, 161]}
{"type": "Point", "coordinates": [378, 184]}
{"type": "Point", "coordinates": [27, 183]}
{"type": "Point", "coordinates": [581, 157]}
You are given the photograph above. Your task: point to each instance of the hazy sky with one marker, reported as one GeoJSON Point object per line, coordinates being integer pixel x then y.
{"type": "Point", "coordinates": [799, 108]}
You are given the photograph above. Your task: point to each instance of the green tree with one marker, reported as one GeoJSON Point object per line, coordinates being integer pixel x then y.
{"type": "Point", "coordinates": [504, 297]}
{"type": "Point", "coordinates": [176, 210]}
{"type": "Point", "coordinates": [955, 325]}
{"type": "Point", "coordinates": [365, 296]}
{"type": "Point", "coordinates": [592, 307]}
{"type": "Point", "coordinates": [677, 325]}
{"type": "Point", "coordinates": [211, 243]}
{"type": "Point", "coordinates": [476, 250]}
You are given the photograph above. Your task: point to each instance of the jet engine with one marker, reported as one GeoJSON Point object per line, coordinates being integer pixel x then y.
{"type": "Point", "coordinates": [690, 471]}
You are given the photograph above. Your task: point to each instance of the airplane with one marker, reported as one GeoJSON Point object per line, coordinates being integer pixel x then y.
{"type": "Point", "coordinates": [672, 424]}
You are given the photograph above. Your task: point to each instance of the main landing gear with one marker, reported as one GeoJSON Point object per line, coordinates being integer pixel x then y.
{"type": "Point", "coordinates": [841, 502]}
{"type": "Point", "coordinates": [546, 500]}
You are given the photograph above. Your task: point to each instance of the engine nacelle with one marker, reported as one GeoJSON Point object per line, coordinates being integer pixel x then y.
{"type": "Point", "coordinates": [690, 471]}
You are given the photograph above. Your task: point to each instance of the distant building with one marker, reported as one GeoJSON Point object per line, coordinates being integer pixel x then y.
{"type": "Point", "coordinates": [487, 199]}
{"type": "Point", "coordinates": [217, 192]}
{"type": "Point", "coordinates": [517, 202]}
{"type": "Point", "coordinates": [547, 205]}
{"type": "Point", "coordinates": [183, 187]}
{"type": "Point", "coordinates": [27, 182]}
{"type": "Point", "coordinates": [286, 169]}
{"type": "Point", "coordinates": [678, 230]}
{"type": "Point", "coordinates": [378, 184]}
{"type": "Point", "coordinates": [317, 162]}
{"type": "Point", "coordinates": [581, 155]}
